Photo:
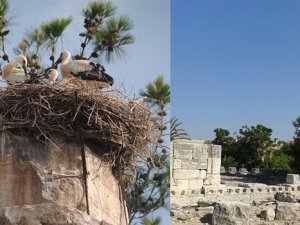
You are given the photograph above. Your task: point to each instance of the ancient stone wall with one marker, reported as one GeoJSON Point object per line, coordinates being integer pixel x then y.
{"type": "Point", "coordinates": [194, 165]}
{"type": "Point", "coordinates": [36, 175]}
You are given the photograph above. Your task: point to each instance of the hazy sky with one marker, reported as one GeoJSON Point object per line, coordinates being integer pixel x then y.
{"type": "Point", "coordinates": [235, 63]}
{"type": "Point", "coordinates": [148, 57]}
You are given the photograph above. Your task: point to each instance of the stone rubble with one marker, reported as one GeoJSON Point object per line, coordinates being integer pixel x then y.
{"type": "Point", "coordinates": [240, 199]}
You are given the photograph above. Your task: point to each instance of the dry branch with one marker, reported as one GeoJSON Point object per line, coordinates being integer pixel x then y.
{"type": "Point", "coordinates": [123, 124]}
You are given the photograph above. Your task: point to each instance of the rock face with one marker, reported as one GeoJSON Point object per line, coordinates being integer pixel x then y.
{"type": "Point", "coordinates": [194, 166]}
{"type": "Point", "coordinates": [231, 213]}
{"type": "Point", "coordinates": [49, 176]}
{"type": "Point", "coordinates": [45, 214]}
{"type": "Point", "coordinates": [292, 179]}
{"type": "Point", "coordinates": [284, 197]}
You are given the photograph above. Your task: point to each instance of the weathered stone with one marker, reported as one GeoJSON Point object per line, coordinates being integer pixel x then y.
{"type": "Point", "coordinates": [231, 213]}
{"type": "Point", "coordinates": [33, 173]}
{"type": "Point", "coordinates": [232, 170]}
{"type": "Point", "coordinates": [46, 214]}
{"type": "Point", "coordinates": [292, 179]}
{"type": "Point", "coordinates": [284, 197]}
{"type": "Point", "coordinates": [243, 171]}
{"type": "Point", "coordinates": [202, 174]}
{"type": "Point", "coordinates": [268, 214]}
{"type": "Point", "coordinates": [181, 184]}
{"type": "Point", "coordinates": [222, 170]}
{"type": "Point", "coordinates": [191, 165]}
{"type": "Point", "coordinates": [183, 154]}
{"type": "Point", "coordinates": [200, 152]}
{"type": "Point", "coordinates": [186, 174]}
{"type": "Point", "coordinates": [287, 211]}
{"type": "Point", "coordinates": [255, 170]}
{"type": "Point", "coordinates": [215, 151]}
{"type": "Point", "coordinates": [196, 184]}
{"type": "Point", "coordinates": [177, 163]}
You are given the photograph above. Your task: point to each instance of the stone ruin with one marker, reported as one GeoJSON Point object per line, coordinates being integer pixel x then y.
{"type": "Point", "coordinates": [63, 149]}
{"type": "Point", "coordinates": [42, 184]}
{"type": "Point", "coordinates": [195, 166]}
{"type": "Point", "coordinates": [200, 195]}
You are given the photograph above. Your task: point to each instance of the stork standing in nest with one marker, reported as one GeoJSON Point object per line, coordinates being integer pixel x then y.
{"type": "Point", "coordinates": [93, 73]}
{"type": "Point", "coordinates": [13, 74]}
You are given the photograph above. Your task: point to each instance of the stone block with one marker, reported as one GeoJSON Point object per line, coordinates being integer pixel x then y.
{"type": "Point", "coordinates": [212, 179]}
{"type": "Point", "coordinates": [200, 152]}
{"type": "Point", "coordinates": [195, 184]}
{"type": "Point", "coordinates": [268, 214]}
{"type": "Point", "coordinates": [177, 163]}
{"type": "Point", "coordinates": [202, 174]}
{"type": "Point", "coordinates": [213, 165]}
{"type": "Point", "coordinates": [180, 153]}
{"type": "Point", "coordinates": [232, 170]}
{"type": "Point", "coordinates": [222, 170]}
{"type": "Point", "coordinates": [182, 184]}
{"type": "Point", "coordinates": [255, 170]}
{"type": "Point", "coordinates": [215, 151]}
{"type": "Point", "coordinates": [186, 174]}
{"type": "Point", "coordinates": [292, 179]}
{"type": "Point", "coordinates": [243, 171]}
{"type": "Point", "coordinates": [191, 165]}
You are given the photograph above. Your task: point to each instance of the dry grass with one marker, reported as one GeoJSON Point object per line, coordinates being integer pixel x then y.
{"type": "Point", "coordinates": [125, 125]}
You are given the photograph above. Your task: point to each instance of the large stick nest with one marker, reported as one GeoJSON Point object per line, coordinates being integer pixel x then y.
{"type": "Point", "coordinates": [106, 117]}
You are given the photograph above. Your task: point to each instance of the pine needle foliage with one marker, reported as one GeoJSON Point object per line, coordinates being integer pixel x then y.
{"type": "Point", "coordinates": [152, 221]}
{"type": "Point", "coordinates": [110, 40]}
{"type": "Point", "coordinates": [55, 28]}
{"type": "Point", "coordinates": [99, 10]}
{"type": "Point", "coordinates": [157, 92]}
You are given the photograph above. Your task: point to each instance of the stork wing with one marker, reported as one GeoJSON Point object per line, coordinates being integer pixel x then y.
{"type": "Point", "coordinates": [87, 70]}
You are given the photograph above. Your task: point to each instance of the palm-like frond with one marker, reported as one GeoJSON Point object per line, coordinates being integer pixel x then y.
{"type": "Point", "coordinates": [55, 28]}
{"type": "Point", "coordinates": [35, 37]}
{"type": "Point", "coordinates": [152, 221]}
{"type": "Point", "coordinates": [157, 92]}
{"type": "Point", "coordinates": [99, 10]}
{"type": "Point", "coordinates": [3, 9]}
{"type": "Point", "coordinates": [176, 132]}
{"type": "Point", "coordinates": [110, 40]}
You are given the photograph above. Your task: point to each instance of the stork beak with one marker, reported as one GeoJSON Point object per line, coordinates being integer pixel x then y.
{"type": "Point", "coordinates": [58, 61]}
{"type": "Point", "coordinates": [25, 69]}
{"type": "Point", "coordinates": [46, 75]}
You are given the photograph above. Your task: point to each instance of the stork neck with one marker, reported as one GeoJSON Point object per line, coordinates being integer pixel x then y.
{"type": "Point", "coordinates": [66, 59]}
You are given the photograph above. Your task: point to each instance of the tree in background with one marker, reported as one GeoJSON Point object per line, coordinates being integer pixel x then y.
{"type": "Point", "coordinates": [4, 22]}
{"type": "Point", "coordinates": [107, 34]}
{"type": "Point", "coordinates": [152, 221]}
{"type": "Point", "coordinates": [224, 139]}
{"type": "Point", "coordinates": [104, 37]}
{"type": "Point", "coordinates": [150, 188]}
{"type": "Point", "coordinates": [252, 142]}
{"type": "Point", "coordinates": [253, 147]}
{"type": "Point", "coordinates": [52, 32]}
{"type": "Point", "coordinates": [176, 132]}
{"type": "Point", "coordinates": [293, 149]}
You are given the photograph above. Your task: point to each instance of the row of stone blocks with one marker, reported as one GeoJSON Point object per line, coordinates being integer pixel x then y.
{"type": "Point", "coordinates": [242, 190]}
{"type": "Point", "coordinates": [193, 155]}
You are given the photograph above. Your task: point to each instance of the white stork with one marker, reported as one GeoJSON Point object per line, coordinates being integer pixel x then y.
{"type": "Point", "coordinates": [51, 75]}
{"type": "Point", "coordinates": [93, 73]}
{"type": "Point", "coordinates": [12, 74]}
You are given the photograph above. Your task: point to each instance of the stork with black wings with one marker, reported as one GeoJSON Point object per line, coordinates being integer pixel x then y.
{"type": "Point", "coordinates": [93, 73]}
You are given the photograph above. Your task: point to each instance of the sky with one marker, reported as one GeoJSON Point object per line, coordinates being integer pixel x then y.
{"type": "Point", "coordinates": [235, 63]}
{"type": "Point", "coordinates": [147, 58]}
